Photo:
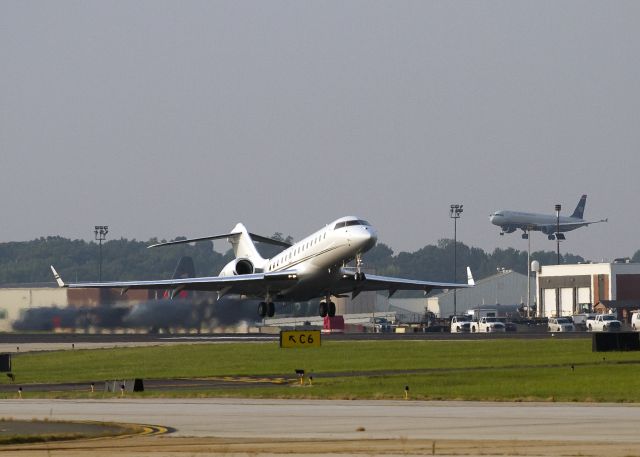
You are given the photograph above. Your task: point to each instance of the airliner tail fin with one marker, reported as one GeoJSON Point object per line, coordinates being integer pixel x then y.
{"type": "Point", "coordinates": [579, 211]}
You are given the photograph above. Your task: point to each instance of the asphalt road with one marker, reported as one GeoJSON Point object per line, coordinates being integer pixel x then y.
{"type": "Point", "coordinates": [12, 342]}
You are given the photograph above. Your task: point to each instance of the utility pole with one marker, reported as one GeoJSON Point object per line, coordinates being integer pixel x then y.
{"type": "Point", "coordinates": [454, 214]}
{"type": "Point", "coordinates": [529, 273]}
{"type": "Point", "coordinates": [558, 208]}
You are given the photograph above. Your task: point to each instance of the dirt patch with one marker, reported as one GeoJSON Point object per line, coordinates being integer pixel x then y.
{"type": "Point", "coordinates": [166, 446]}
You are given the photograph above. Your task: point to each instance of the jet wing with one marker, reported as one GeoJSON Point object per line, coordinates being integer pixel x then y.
{"type": "Point", "coordinates": [392, 285]}
{"type": "Point", "coordinates": [250, 284]}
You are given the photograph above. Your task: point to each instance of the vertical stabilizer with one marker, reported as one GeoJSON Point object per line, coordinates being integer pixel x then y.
{"type": "Point", "coordinates": [243, 246]}
{"type": "Point", "coordinates": [579, 211]}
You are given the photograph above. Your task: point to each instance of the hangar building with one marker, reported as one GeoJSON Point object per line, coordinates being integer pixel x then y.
{"type": "Point", "coordinates": [507, 287]}
{"type": "Point", "coordinates": [14, 299]}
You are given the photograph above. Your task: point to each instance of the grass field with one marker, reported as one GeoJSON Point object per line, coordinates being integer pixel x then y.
{"type": "Point", "coordinates": [470, 370]}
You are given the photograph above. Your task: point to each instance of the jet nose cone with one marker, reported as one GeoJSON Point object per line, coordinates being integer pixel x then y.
{"type": "Point", "coordinates": [366, 238]}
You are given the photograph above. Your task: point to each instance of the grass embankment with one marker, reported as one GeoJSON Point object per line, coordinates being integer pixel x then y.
{"type": "Point", "coordinates": [469, 370]}
{"type": "Point", "coordinates": [42, 431]}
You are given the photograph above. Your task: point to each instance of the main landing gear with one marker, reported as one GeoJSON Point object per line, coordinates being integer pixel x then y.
{"type": "Point", "coordinates": [266, 309]}
{"type": "Point", "coordinates": [325, 309]}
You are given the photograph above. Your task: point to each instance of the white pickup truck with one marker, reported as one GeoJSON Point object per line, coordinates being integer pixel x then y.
{"type": "Point", "coordinates": [487, 325]}
{"type": "Point", "coordinates": [603, 323]}
{"type": "Point", "coordinates": [460, 324]}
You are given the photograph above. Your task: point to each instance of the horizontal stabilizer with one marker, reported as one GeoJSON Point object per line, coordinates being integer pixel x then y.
{"type": "Point", "coordinates": [254, 237]}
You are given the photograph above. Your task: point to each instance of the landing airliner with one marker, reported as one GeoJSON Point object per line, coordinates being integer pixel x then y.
{"type": "Point", "coordinates": [510, 221]}
{"type": "Point", "coordinates": [311, 268]}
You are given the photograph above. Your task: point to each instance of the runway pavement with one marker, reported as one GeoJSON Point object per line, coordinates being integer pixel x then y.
{"type": "Point", "coordinates": [344, 420]}
{"type": "Point", "coordinates": [266, 428]}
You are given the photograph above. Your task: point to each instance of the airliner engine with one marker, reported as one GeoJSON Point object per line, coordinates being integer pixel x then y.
{"type": "Point", "coordinates": [238, 267]}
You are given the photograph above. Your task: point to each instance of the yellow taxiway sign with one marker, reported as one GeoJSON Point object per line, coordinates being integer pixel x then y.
{"type": "Point", "coordinates": [299, 338]}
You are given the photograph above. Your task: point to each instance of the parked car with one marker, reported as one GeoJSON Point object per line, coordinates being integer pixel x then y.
{"type": "Point", "coordinates": [460, 324]}
{"type": "Point", "coordinates": [635, 321]}
{"type": "Point", "coordinates": [560, 324]}
{"type": "Point", "coordinates": [381, 325]}
{"type": "Point", "coordinates": [508, 325]}
{"type": "Point", "coordinates": [604, 323]}
{"type": "Point", "coordinates": [487, 325]}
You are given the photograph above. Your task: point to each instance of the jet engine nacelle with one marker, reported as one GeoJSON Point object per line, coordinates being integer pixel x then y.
{"type": "Point", "coordinates": [548, 230]}
{"type": "Point", "coordinates": [238, 267]}
{"type": "Point", "coordinates": [508, 229]}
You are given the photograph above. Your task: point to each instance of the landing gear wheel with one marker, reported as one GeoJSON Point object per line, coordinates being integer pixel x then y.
{"type": "Point", "coordinates": [323, 309]}
{"type": "Point", "coordinates": [262, 309]}
{"type": "Point", "coordinates": [271, 309]}
{"type": "Point", "coordinates": [332, 309]}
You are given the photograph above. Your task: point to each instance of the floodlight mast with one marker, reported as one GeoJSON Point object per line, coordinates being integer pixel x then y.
{"type": "Point", "coordinates": [100, 232]}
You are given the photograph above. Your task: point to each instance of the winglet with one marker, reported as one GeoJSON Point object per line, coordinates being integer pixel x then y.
{"type": "Point", "coordinates": [58, 278]}
{"type": "Point", "coordinates": [470, 280]}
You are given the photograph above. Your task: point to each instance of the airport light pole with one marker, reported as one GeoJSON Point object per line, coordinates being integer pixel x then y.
{"type": "Point", "coordinates": [101, 235]}
{"type": "Point", "coordinates": [529, 272]}
{"type": "Point", "coordinates": [454, 213]}
{"type": "Point", "coordinates": [558, 208]}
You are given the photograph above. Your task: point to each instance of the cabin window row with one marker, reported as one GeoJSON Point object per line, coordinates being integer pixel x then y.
{"type": "Point", "coordinates": [297, 251]}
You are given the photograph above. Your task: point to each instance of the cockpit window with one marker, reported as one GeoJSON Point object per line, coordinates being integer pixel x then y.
{"type": "Point", "coordinates": [348, 223]}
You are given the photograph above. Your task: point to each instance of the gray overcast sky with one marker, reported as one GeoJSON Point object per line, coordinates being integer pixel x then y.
{"type": "Point", "coordinates": [182, 118]}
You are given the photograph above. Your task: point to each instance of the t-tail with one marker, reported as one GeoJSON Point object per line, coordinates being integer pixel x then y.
{"type": "Point", "coordinates": [579, 211]}
{"type": "Point", "coordinates": [242, 242]}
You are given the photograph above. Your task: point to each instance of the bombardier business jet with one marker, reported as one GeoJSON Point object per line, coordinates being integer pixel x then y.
{"type": "Point", "coordinates": [510, 221]}
{"type": "Point", "coordinates": [311, 268]}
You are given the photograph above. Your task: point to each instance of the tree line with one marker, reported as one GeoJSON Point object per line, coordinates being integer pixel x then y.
{"type": "Point", "coordinates": [77, 260]}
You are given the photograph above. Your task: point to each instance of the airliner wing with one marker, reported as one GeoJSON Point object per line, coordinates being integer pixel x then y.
{"type": "Point", "coordinates": [582, 223]}
{"type": "Point", "coordinates": [572, 225]}
{"type": "Point", "coordinates": [250, 284]}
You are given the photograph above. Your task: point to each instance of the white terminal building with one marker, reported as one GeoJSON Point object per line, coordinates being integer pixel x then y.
{"type": "Point", "coordinates": [564, 290]}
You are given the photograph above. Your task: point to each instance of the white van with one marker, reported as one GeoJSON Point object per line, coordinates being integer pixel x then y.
{"type": "Point", "coordinates": [635, 321]}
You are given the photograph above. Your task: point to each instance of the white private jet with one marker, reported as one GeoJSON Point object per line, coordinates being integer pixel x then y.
{"type": "Point", "coordinates": [313, 267]}
{"type": "Point", "coordinates": [510, 221]}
